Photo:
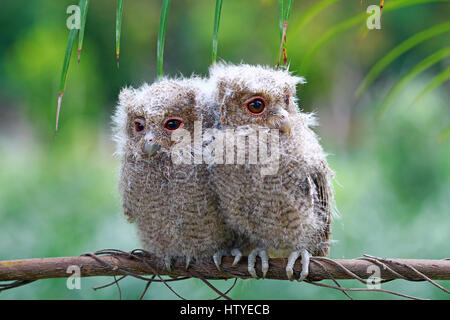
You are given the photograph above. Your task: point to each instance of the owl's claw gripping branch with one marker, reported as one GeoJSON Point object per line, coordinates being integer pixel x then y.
{"type": "Point", "coordinates": [188, 262]}
{"type": "Point", "coordinates": [237, 254]}
{"type": "Point", "coordinates": [305, 265]}
{"type": "Point", "coordinates": [262, 253]}
{"type": "Point", "coordinates": [217, 257]}
{"type": "Point", "coordinates": [168, 264]}
{"type": "Point", "coordinates": [305, 255]}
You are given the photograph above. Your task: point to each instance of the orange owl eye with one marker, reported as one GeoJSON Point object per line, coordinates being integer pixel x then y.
{"type": "Point", "coordinates": [173, 124]}
{"type": "Point", "coordinates": [139, 125]}
{"type": "Point", "coordinates": [256, 105]}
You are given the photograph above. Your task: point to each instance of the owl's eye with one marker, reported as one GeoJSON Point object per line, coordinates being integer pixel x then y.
{"type": "Point", "coordinates": [286, 98]}
{"type": "Point", "coordinates": [172, 124]}
{"type": "Point", "coordinates": [139, 125]}
{"type": "Point", "coordinates": [256, 105]}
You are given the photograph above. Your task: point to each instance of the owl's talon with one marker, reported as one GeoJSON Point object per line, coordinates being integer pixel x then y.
{"type": "Point", "coordinates": [168, 263]}
{"type": "Point", "coordinates": [217, 257]}
{"type": "Point", "coordinates": [290, 265]}
{"type": "Point", "coordinates": [305, 264]}
{"type": "Point", "coordinates": [237, 256]}
{"type": "Point", "coordinates": [188, 262]}
{"type": "Point", "coordinates": [262, 253]}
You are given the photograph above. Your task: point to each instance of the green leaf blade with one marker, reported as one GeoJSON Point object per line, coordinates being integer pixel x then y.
{"type": "Point", "coordinates": [161, 36]}
{"type": "Point", "coordinates": [119, 13]}
{"type": "Point", "coordinates": [433, 84]}
{"type": "Point", "coordinates": [84, 5]}
{"type": "Point", "coordinates": [348, 24]}
{"type": "Point", "coordinates": [62, 84]}
{"type": "Point", "coordinates": [399, 50]}
{"type": "Point", "coordinates": [216, 29]}
{"type": "Point", "coordinates": [410, 75]}
{"type": "Point", "coordinates": [315, 9]}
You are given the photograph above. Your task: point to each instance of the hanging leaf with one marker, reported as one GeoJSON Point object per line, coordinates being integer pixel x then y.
{"type": "Point", "coordinates": [84, 4]}
{"type": "Point", "coordinates": [216, 30]}
{"type": "Point", "coordinates": [62, 84]}
{"type": "Point", "coordinates": [161, 36]}
{"type": "Point", "coordinates": [281, 17]}
{"type": "Point", "coordinates": [284, 14]}
{"type": "Point", "coordinates": [119, 10]}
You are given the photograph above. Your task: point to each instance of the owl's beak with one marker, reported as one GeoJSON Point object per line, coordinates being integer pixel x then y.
{"type": "Point", "coordinates": [285, 123]}
{"type": "Point", "coordinates": [285, 126]}
{"type": "Point", "coordinates": [151, 148]}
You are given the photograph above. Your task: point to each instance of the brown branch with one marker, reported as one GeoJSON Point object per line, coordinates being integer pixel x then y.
{"type": "Point", "coordinates": [115, 264]}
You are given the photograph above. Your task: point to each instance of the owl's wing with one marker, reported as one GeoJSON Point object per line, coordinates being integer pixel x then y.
{"type": "Point", "coordinates": [128, 214]}
{"type": "Point", "coordinates": [323, 207]}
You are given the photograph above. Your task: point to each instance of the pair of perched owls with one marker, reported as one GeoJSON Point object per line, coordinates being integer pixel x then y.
{"type": "Point", "coordinates": [199, 210]}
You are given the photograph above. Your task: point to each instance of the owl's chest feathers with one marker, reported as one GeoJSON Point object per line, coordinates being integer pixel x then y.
{"type": "Point", "coordinates": [163, 191]}
{"type": "Point", "coordinates": [281, 204]}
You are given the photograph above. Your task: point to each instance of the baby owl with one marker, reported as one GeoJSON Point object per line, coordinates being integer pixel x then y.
{"type": "Point", "coordinates": [170, 200]}
{"type": "Point", "coordinates": [284, 213]}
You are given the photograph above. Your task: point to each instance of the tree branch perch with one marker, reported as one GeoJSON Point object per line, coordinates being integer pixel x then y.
{"type": "Point", "coordinates": [114, 263]}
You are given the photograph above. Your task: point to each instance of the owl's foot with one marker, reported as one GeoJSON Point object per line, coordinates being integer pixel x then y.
{"type": "Point", "coordinates": [237, 254]}
{"type": "Point", "coordinates": [217, 257]}
{"type": "Point", "coordinates": [262, 253]}
{"type": "Point", "coordinates": [305, 264]}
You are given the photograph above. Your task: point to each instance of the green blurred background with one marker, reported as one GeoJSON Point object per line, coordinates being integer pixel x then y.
{"type": "Point", "coordinates": [58, 197]}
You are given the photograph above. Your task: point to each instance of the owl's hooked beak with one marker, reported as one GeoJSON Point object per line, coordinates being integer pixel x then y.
{"type": "Point", "coordinates": [151, 147]}
{"type": "Point", "coordinates": [284, 124]}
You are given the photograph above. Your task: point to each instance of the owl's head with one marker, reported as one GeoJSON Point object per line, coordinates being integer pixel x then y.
{"type": "Point", "coordinates": [254, 95]}
{"type": "Point", "coordinates": [146, 118]}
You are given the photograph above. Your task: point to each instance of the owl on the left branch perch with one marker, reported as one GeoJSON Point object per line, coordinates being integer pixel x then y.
{"type": "Point", "coordinates": [175, 210]}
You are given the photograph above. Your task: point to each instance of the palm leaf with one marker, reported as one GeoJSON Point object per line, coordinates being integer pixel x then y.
{"type": "Point", "coordinates": [216, 30]}
{"type": "Point", "coordinates": [315, 9]}
{"type": "Point", "coordinates": [399, 50]}
{"type": "Point", "coordinates": [84, 4]}
{"type": "Point", "coordinates": [433, 84]}
{"type": "Point", "coordinates": [348, 24]}
{"type": "Point", "coordinates": [420, 67]}
{"type": "Point", "coordinates": [161, 36]}
{"type": "Point", "coordinates": [445, 134]}
{"type": "Point", "coordinates": [119, 11]}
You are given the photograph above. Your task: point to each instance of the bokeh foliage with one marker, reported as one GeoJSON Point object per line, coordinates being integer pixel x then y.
{"type": "Point", "coordinates": [58, 197]}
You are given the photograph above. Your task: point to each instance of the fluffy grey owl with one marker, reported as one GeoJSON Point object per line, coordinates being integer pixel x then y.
{"type": "Point", "coordinates": [284, 212]}
{"type": "Point", "coordinates": [166, 193]}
